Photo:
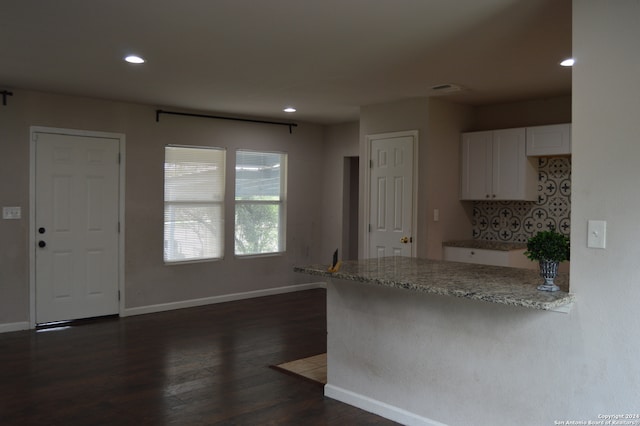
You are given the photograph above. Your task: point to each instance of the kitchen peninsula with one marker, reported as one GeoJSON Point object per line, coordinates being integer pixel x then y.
{"type": "Point", "coordinates": [401, 330]}
{"type": "Point", "coordinates": [508, 286]}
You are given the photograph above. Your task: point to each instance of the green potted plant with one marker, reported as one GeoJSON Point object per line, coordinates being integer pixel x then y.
{"type": "Point", "coordinates": [549, 248]}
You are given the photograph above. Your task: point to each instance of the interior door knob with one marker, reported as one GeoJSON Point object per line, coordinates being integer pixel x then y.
{"type": "Point", "coordinates": [42, 244]}
{"type": "Point", "coordinates": [404, 240]}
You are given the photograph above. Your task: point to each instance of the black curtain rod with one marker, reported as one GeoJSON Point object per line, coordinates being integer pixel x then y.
{"type": "Point", "coordinates": [248, 120]}
{"type": "Point", "coordinates": [4, 94]}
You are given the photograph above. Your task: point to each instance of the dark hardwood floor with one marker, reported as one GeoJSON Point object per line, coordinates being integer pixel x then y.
{"type": "Point", "coordinates": [200, 366]}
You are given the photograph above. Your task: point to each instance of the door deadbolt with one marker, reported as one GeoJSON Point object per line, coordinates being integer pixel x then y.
{"type": "Point", "coordinates": [42, 244]}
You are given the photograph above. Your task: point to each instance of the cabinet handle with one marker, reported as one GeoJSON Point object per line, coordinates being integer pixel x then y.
{"type": "Point", "coordinates": [493, 196]}
{"type": "Point", "coordinates": [472, 253]}
{"type": "Point", "coordinates": [487, 196]}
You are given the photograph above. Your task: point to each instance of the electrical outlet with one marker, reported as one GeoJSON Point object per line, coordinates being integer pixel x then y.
{"type": "Point", "coordinates": [11, 213]}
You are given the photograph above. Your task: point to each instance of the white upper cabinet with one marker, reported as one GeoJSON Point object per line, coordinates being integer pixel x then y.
{"type": "Point", "coordinates": [477, 160]}
{"type": "Point", "coordinates": [495, 166]}
{"type": "Point", "coordinates": [549, 140]}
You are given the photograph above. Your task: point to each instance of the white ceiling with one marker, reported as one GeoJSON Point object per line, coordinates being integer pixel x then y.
{"type": "Point", "coordinates": [254, 57]}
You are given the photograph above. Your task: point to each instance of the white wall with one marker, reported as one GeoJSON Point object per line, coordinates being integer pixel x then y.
{"type": "Point", "coordinates": [536, 112]}
{"type": "Point", "coordinates": [446, 121]}
{"type": "Point", "coordinates": [606, 150]}
{"type": "Point", "coordinates": [340, 141]}
{"type": "Point", "coordinates": [457, 361]}
{"type": "Point", "coordinates": [463, 362]}
{"type": "Point", "coordinates": [148, 281]}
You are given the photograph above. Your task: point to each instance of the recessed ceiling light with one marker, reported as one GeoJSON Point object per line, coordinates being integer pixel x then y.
{"type": "Point", "coordinates": [133, 59]}
{"type": "Point", "coordinates": [567, 62]}
{"type": "Point", "coordinates": [289, 109]}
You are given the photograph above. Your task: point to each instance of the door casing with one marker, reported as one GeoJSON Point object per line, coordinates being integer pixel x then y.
{"type": "Point", "coordinates": [367, 188]}
{"type": "Point", "coordinates": [32, 214]}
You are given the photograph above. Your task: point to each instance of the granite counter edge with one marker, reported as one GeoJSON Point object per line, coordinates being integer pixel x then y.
{"type": "Point", "coordinates": [480, 295]}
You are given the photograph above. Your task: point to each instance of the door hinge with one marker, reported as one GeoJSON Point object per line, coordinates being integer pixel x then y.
{"type": "Point", "coordinates": [118, 227]}
{"type": "Point", "coordinates": [369, 227]}
{"type": "Point", "coordinates": [119, 158]}
{"type": "Point", "coordinates": [371, 164]}
{"type": "Point", "coordinates": [118, 294]}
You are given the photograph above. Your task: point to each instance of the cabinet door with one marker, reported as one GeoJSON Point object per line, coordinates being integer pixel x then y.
{"type": "Point", "coordinates": [476, 166]}
{"type": "Point", "coordinates": [549, 140]}
{"type": "Point", "coordinates": [514, 175]}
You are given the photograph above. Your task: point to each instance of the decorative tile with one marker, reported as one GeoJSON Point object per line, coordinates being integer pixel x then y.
{"type": "Point", "coordinates": [517, 221]}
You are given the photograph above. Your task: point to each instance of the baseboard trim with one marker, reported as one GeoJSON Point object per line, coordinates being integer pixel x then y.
{"type": "Point", "coordinates": [14, 326]}
{"type": "Point", "coordinates": [378, 407]}
{"type": "Point", "coordinates": [219, 299]}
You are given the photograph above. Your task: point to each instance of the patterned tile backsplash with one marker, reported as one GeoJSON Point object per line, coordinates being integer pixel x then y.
{"type": "Point", "coordinates": [517, 221]}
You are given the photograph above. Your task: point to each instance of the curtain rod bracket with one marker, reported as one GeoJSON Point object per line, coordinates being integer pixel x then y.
{"type": "Point", "coordinates": [218, 117]}
{"type": "Point", "coordinates": [4, 94]}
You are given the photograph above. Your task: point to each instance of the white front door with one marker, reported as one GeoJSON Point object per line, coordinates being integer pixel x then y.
{"type": "Point", "coordinates": [76, 226]}
{"type": "Point", "coordinates": [391, 204]}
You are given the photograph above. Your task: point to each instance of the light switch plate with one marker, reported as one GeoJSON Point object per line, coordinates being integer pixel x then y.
{"type": "Point", "coordinates": [597, 234]}
{"type": "Point", "coordinates": [11, 213]}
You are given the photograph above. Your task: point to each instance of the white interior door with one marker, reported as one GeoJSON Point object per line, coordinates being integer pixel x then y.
{"type": "Point", "coordinates": [391, 196]}
{"type": "Point", "coordinates": [76, 220]}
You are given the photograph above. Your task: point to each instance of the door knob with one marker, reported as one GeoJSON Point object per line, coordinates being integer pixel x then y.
{"type": "Point", "coordinates": [42, 244]}
{"type": "Point", "coordinates": [404, 240]}
{"type": "Point", "coordinates": [41, 230]}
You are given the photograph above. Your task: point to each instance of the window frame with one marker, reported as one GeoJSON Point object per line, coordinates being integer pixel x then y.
{"type": "Point", "coordinates": [281, 202]}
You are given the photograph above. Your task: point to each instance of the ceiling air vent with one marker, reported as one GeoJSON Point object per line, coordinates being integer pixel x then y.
{"type": "Point", "coordinates": [445, 89]}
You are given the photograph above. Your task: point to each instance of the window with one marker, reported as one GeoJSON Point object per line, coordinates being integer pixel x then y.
{"type": "Point", "coordinates": [260, 202]}
{"type": "Point", "coordinates": [193, 203]}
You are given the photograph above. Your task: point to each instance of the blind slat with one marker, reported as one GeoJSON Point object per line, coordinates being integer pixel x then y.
{"type": "Point", "coordinates": [194, 174]}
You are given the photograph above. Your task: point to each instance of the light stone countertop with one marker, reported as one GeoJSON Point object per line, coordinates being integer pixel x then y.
{"type": "Point", "coordinates": [496, 284]}
{"type": "Point", "coordinates": [485, 244]}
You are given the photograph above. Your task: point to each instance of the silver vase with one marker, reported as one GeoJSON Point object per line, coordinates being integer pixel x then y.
{"type": "Point", "coordinates": [548, 271]}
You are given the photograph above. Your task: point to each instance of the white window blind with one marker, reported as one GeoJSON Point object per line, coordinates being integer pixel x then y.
{"type": "Point", "coordinates": [193, 203]}
{"type": "Point", "coordinates": [260, 202]}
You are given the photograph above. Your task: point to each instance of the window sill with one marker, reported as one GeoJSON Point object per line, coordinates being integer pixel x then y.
{"type": "Point", "coordinates": [259, 255]}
